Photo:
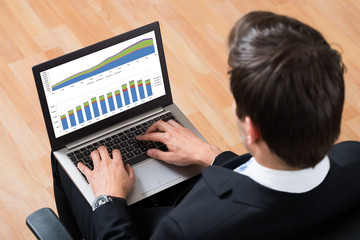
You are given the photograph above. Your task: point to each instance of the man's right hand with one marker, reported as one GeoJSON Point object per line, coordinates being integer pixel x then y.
{"type": "Point", "coordinates": [184, 147]}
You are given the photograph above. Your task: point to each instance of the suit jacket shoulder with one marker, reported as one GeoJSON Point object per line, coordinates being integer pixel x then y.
{"type": "Point", "coordinates": [228, 205]}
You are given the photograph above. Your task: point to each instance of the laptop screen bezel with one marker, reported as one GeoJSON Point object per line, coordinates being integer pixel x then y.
{"type": "Point", "coordinates": [60, 142]}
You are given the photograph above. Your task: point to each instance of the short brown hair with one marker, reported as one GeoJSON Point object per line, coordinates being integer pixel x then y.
{"type": "Point", "coordinates": [287, 78]}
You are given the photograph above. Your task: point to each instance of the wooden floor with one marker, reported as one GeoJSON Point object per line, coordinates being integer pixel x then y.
{"type": "Point", "coordinates": [194, 34]}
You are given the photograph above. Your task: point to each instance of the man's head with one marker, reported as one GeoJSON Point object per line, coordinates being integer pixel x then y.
{"type": "Point", "coordinates": [289, 81]}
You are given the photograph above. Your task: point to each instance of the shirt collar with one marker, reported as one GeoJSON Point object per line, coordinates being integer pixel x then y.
{"type": "Point", "coordinates": [295, 181]}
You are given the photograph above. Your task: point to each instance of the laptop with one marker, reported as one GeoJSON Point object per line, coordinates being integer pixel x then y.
{"type": "Point", "coordinates": [106, 94]}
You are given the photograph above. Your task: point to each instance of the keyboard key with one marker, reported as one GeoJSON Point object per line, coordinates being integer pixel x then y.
{"type": "Point", "coordinates": [116, 140]}
{"type": "Point", "coordinates": [124, 144]}
{"type": "Point", "coordinates": [157, 119]}
{"type": "Point", "coordinates": [131, 141]}
{"type": "Point", "coordinates": [120, 134]}
{"type": "Point", "coordinates": [109, 144]}
{"type": "Point", "coordinates": [129, 155]}
{"type": "Point", "coordinates": [96, 144]}
{"type": "Point", "coordinates": [137, 159]}
{"type": "Point", "coordinates": [123, 151]}
{"type": "Point", "coordinates": [143, 143]}
{"type": "Point", "coordinates": [151, 121]}
{"type": "Point", "coordinates": [137, 145]}
{"type": "Point", "coordinates": [108, 139]}
{"type": "Point", "coordinates": [73, 158]}
{"type": "Point", "coordinates": [132, 129]}
{"type": "Point", "coordinates": [129, 148]}
{"type": "Point", "coordinates": [102, 141]}
{"type": "Point", "coordinates": [131, 135]}
{"type": "Point", "coordinates": [70, 154]}
{"type": "Point", "coordinates": [123, 138]}
{"type": "Point", "coordinates": [79, 156]}
{"type": "Point", "coordinates": [144, 149]}
{"type": "Point", "coordinates": [87, 152]}
{"type": "Point", "coordinates": [89, 146]}
{"type": "Point", "coordinates": [83, 149]}
{"type": "Point", "coordinates": [151, 145]}
{"type": "Point", "coordinates": [77, 152]}
{"type": "Point", "coordinates": [127, 131]}
{"type": "Point", "coordinates": [168, 114]}
{"type": "Point", "coordinates": [138, 126]}
{"type": "Point", "coordinates": [162, 116]}
{"type": "Point", "coordinates": [114, 136]}
{"type": "Point", "coordinates": [137, 152]}
{"type": "Point", "coordinates": [138, 132]}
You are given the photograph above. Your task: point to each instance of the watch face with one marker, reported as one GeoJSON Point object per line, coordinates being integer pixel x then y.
{"type": "Point", "coordinates": [100, 200]}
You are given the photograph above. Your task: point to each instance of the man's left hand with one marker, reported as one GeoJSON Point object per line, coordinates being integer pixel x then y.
{"type": "Point", "coordinates": [110, 176]}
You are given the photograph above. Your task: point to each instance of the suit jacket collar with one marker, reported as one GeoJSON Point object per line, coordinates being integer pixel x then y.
{"type": "Point", "coordinates": [246, 191]}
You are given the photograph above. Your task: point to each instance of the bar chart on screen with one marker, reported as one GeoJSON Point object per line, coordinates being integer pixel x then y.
{"type": "Point", "coordinates": [101, 105]}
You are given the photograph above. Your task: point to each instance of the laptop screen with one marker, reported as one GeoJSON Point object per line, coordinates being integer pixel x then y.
{"type": "Point", "coordinates": [102, 84]}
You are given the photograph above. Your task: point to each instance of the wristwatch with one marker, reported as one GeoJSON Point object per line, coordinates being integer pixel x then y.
{"type": "Point", "coordinates": [102, 199]}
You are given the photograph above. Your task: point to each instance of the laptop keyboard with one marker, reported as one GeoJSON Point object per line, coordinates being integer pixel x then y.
{"type": "Point", "coordinates": [132, 151]}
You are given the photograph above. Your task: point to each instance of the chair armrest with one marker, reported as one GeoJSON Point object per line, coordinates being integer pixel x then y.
{"type": "Point", "coordinates": [46, 225]}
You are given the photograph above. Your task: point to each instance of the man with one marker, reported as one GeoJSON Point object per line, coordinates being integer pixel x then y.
{"type": "Point", "coordinates": [288, 90]}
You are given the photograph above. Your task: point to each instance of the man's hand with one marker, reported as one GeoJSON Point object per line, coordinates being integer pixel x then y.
{"type": "Point", "coordinates": [185, 148]}
{"type": "Point", "coordinates": [109, 176]}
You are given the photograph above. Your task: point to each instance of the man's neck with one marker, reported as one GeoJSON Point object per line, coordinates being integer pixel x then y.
{"type": "Point", "coordinates": [266, 158]}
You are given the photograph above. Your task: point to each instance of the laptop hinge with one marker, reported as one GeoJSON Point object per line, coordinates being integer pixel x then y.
{"type": "Point", "coordinates": [113, 128]}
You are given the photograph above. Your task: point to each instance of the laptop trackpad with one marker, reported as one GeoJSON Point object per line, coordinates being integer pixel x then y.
{"type": "Point", "coordinates": [153, 174]}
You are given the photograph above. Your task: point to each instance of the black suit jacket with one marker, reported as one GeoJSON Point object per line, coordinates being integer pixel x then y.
{"type": "Point", "coordinates": [228, 205]}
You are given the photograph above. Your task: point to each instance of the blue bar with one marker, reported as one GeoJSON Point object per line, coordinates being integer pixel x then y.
{"type": "Point", "coordinates": [80, 114]}
{"type": "Point", "coordinates": [111, 102]}
{"type": "Point", "coordinates": [87, 111]}
{"type": "Point", "coordinates": [64, 123]}
{"type": "Point", "coordinates": [126, 94]}
{"type": "Point", "coordinates": [95, 107]}
{"type": "Point", "coordinates": [141, 89]}
{"type": "Point", "coordinates": [118, 99]}
{"type": "Point", "coordinates": [103, 104]}
{"type": "Point", "coordinates": [133, 91]}
{"type": "Point", "coordinates": [126, 97]}
{"type": "Point", "coordinates": [72, 119]}
{"type": "Point", "coordinates": [148, 88]}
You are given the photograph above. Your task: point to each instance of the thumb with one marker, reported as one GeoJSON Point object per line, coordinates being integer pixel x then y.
{"type": "Point", "coordinates": [158, 154]}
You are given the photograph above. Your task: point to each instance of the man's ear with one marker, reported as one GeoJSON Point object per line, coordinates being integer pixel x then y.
{"type": "Point", "coordinates": [252, 131]}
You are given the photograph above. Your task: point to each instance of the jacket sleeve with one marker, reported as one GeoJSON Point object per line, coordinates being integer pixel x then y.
{"type": "Point", "coordinates": [113, 221]}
